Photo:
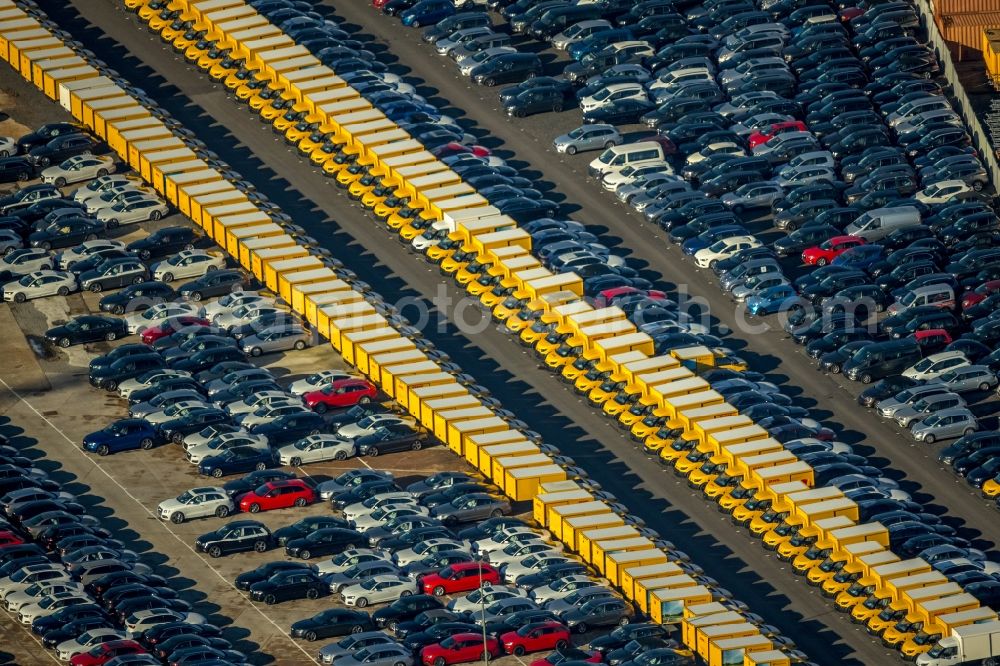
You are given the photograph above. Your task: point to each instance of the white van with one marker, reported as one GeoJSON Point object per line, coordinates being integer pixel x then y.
{"type": "Point", "coordinates": [878, 223]}
{"type": "Point", "coordinates": [631, 154]}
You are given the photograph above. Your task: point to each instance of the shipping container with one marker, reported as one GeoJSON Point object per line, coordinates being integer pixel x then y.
{"type": "Point", "coordinates": [963, 32]}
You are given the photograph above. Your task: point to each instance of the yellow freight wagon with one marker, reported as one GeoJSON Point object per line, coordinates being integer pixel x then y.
{"type": "Point", "coordinates": [177, 182]}
{"type": "Point", "coordinates": [421, 396]}
{"type": "Point", "coordinates": [276, 269]}
{"type": "Point", "coordinates": [301, 292]}
{"type": "Point", "coordinates": [290, 281]}
{"type": "Point", "coordinates": [488, 453]}
{"type": "Point", "coordinates": [615, 563]}
{"type": "Point", "coordinates": [237, 238]}
{"type": "Point", "coordinates": [666, 606]}
{"type": "Point", "coordinates": [504, 463]}
{"type": "Point", "coordinates": [224, 223]}
{"type": "Point", "coordinates": [332, 297]}
{"type": "Point", "coordinates": [484, 440]}
{"type": "Point", "coordinates": [460, 434]}
{"type": "Point", "coordinates": [603, 549]}
{"type": "Point", "coordinates": [428, 408]}
{"type": "Point", "coordinates": [574, 527]}
{"type": "Point", "coordinates": [766, 658]}
{"type": "Point", "coordinates": [110, 118]}
{"type": "Point", "coordinates": [92, 109]}
{"type": "Point", "coordinates": [396, 378]}
{"type": "Point", "coordinates": [63, 82]}
{"type": "Point", "coordinates": [260, 259]}
{"type": "Point", "coordinates": [708, 634]}
{"type": "Point", "coordinates": [664, 583]}
{"type": "Point", "coordinates": [588, 538]}
{"type": "Point", "coordinates": [560, 513]}
{"type": "Point", "coordinates": [522, 483]}
{"type": "Point", "coordinates": [631, 576]}
{"type": "Point", "coordinates": [363, 352]}
{"type": "Point", "coordinates": [352, 340]}
{"type": "Point", "coordinates": [159, 173]}
{"type": "Point", "coordinates": [733, 650]}
{"type": "Point", "coordinates": [442, 419]}
{"type": "Point", "coordinates": [391, 352]}
{"type": "Point", "coordinates": [341, 327]}
{"type": "Point", "coordinates": [691, 624]}
{"type": "Point", "coordinates": [541, 503]}
{"type": "Point", "coordinates": [332, 315]}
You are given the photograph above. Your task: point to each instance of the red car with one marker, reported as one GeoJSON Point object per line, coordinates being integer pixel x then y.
{"type": "Point", "coordinates": [456, 148]}
{"type": "Point", "coordinates": [170, 326]}
{"type": "Point", "coordinates": [341, 393]}
{"type": "Point", "coordinates": [568, 654]}
{"type": "Point", "coordinates": [535, 637]}
{"type": "Point", "coordinates": [459, 577]}
{"type": "Point", "coordinates": [980, 293]}
{"type": "Point", "coordinates": [378, 4]}
{"type": "Point", "coordinates": [278, 495]}
{"type": "Point", "coordinates": [460, 649]}
{"type": "Point", "coordinates": [609, 296]}
{"type": "Point", "coordinates": [829, 250]}
{"type": "Point", "coordinates": [105, 652]}
{"type": "Point", "coordinates": [8, 538]}
{"type": "Point", "coordinates": [763, 136]}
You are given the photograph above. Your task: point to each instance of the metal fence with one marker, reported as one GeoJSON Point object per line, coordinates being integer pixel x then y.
{"type": "Point", "coordinates": [980, 139]}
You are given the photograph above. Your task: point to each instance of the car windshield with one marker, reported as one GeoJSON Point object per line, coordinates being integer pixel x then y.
{"type": "Point", "coordinates": [186, 497]}
{"type": "Point", "coordinates": [932, 420]}
{"type": "Point", "coordinates": [921, 405]}
{"type": "Point", "coordinates": [369, 584]}
{"type": "Point", "coordinates": [924, 364]}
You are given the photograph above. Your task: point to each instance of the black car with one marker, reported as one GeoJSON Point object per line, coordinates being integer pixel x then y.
{"type": "Point", "coordinates": [137, 297]}
{"type": "Point", "coordinates": [110, 376]}
{"type": "Point", "coordinates": [46, 133]}
{"type": "Point", "coordinates": [206, 358]}
{"type": "Point", "coordinates": [265, 571]}
{"type": "Point", "coordinates": [175, 430]}
{"type": "Point", "coordinates": [42, 625]}
{"type": "Point", "coordinates": [61, 148]}
{"type": "Point", "coordinates": [305, 527]}
{"type": "Point", "coordinates": [327, 541]}
{"type": "Point", "coordinates": [332, 622]}
{"type": "Point", "coordinates": [288, 585]}
{"type": "Point", "coordinates": [163, 242]}
{"type": "Point", "coordinates": [214, 283]}
{"type": "Point", "coordinates": [622, 636]}
{"type": "Point", "coordinates": [290, 427]}
{"type": "Point", "coordinates": [160, 633]}
{"type": "Point", "coordinates": [507, 68]}
{"type": "Point", "coordinates": [404, 609]}
{"type": "Point", "coordinates": [535, 100]}
{"type": "Point", "coordinates": [66, 233]}
{"type": "Point", "coordinates": [239, 487]}
{"type": "Point", "coordinates": [619, 112]}
{"type": "Point", "coordinates": [16, 169]}
{"type": "Point", "coordinates": [390, 439]}
{"type": "Point", "coordinates": [88, 328]}
{"type": "Point", "coordinates": [235, 537]}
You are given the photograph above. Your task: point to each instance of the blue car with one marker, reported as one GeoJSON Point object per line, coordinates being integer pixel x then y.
{"type": "Point", "coordinates": [122, 435]}
{"type": "Point", "coordinates": [427, 12]}
{"type": "Point", "coordinates": [861, 257]}
{"type": "Point", "coordinates": [598, 41]}
{"type": "Point", "coordinates": [771, 300]}
{"type": "Point", "coordinates": [238, 460]}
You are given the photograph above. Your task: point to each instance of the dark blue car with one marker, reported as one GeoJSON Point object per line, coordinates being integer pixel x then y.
{"type": "Point", "coordinates": [123, 435]}
{"type": "Point", "coordinates": [237, 460]}
{"type": "Point", "coordinates": [861, 257]}
{"type": "Point", "coordinates": [427, 12]}
{"type": "Point", "coordinates": [598, 41]}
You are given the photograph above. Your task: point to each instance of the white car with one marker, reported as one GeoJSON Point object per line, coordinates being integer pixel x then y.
{"type": "Point", "coordinates": [369, 424]}
{"type": "Point", "coordinates": [506, 536]}
{"type": "Point", "coordinates": [77, 168]}
{"type": "Point", "coordinates": [129, 386]}
{"type": "Point", "coordinates": [558, 589]}
{"type": "Point", "coordinates": [139, 621]}
{"type": "Point", "coordinates": [175, 411]}
{"type": "Point", "coordinates": [196, 454]}
{"type": "Point", "coordinates": [724, 249]}
{"type": "Point", "coordinates": [137, 322]}
{"type": "Point", "coordinates": [616, 179]}
{"type": "Point", "coordinates": [265, 398]}
{"type": "Point", "coordinates": [88, 639]}
{"type": "Point", "coordinates": [100, 185]}
{"type": "Point", "coordinates": [8, 146]}
{"type": "Point", "coordinates": [317, 380]}
{"type": "Point", "coordinates": [717, 148]}
{"type": "Point", "coordinates": [246, 313]}
{"type": "Point", "coordinates": [577, 32]}
{"type": "Point", "coordinates": [378, 590]}
{"type": "Point", "coordinates": [936, 364]}
{"type": "Point", "coordinates": [231, 301]}
{"type": "Point", "coordinates": [30, 574]}
{"type": "Point", "coordinates": [64, 260]}
{"type": "Point", "coordinates": [518, 551]}
{"type": "Point", "coordinates": [196, 503]}
{"type": "Point", "coordinates": [944, 191]}
{"type": "Point", "coordinates": [207, 434]}
{"type": "Point", "coordinates": [349, 558]}
{"type": "Point", "coordinates": [467, 63]}
{"type": "Point", "coordinates": [485, 596]}
{"type": "Point", "coordinates": [13, 601]}
{"type": "Point", "coordinates": [425, 548]}
{"type": "Point", "coordinates": [40, 284]}
{"type": "Point", "coordinates": [398, 498]}
{"type": "Point", "coordinates": [116, 195]}
{"type": "Point", "coordinates": [611, 94]}
{"type": "Point", "coordinates": [316, 448]}
{"type": "Point", "coordinates": [531, 564]}
{"type": "Point", "coordinates": [385, 514]}
{"type": "Point", "coordinates": [187, 264]}
{"type": "Point", "coordinates": [28, 260]}
{"type": "Point", "coordinates": [144, 209]}
{"type": "Point", "coordinates": [50, 604]}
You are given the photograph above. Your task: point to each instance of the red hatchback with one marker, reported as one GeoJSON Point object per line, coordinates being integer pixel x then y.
{"type": "Point", "coordinates": [980, 293]}
{"type": "Point", "coordinates": [535, 637]}
{"type": "Point", "coordinates": [459, 577]}
{"type": "Point", "coordinates": [8, 538]}
{"type": "Point", "coordinates": [456, 148]}
{"type": "Point", "coordinates": [278, 495]}
{"type": "Point", "coordinates": [341, 393]}
{"type": "Point", "coordinates": [170, 326]}
{"type": "Point", "coordinates": [829, 250]}
{"type": "Point", "coordinates": [105, 652]}
{"type": "Point", "coordinates": [460, 649]}
{"type": "Point", "coordinates": [765, 135]}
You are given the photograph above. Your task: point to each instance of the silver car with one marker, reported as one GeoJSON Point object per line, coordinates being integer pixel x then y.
{"type": "Point", "coordinates": [196, 503]}
{"type": "Point", "coordinates": [577, 32]}
{"type": "Point", "coordinates": [316, 448]}
{"type": "Point", "coordinates": [40, 284]}
{"type": "Point", "coordinates": [77, 168]}
{"type": "Point", "coordinates": [359, 572]}
{"type": "Point", "coordinates": [587, 137]}
{"type": "Point", "coordinates": [350, 558]}
{"type": "Point", "coordinates": [926, 406]}
{"type": "Point", "coordinates": [518, 551]}
{"type": "Point", "coordinates": [353, 644]}
{"type": "Point", "coordinates": [753, 195]}
{"type": "Point", "coordinates": [382, 654]}
{"type": "Point", "coordinates": [890, 406]}
{"type": "Point", "coordinates": [28, 260]}
{"type": "Point", "coordinates": [142, 209]}
{"type": "Point", "coordinates": [64, 260]}
{"type": "Point", "coordinates": [162, 401]}
{"type": "Point", "coordinates": [475, 506]}
{"type": "Point", "coordinates": [217, 445]}
{"type": "Point", "coordinates": [487, 595]}
{"type": "Point", "coordinates": [378, 590]}
{"type": "Point", "coordinates": [945, 424]}
{"type": "Point", "coordinates": [263, 399]}
{"type": "Point", "coordinates": [276, 339]}
{"type": "Point", "coordinates": [562, 587]}
{"type": "Point", "coordinates": [967, 378]}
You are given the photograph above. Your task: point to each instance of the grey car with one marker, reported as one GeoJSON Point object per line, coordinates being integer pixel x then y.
{"type": "Point", "coordinates": [945, 424]}
{"type": "Point", "coordinates": [926, 406]}
{"type": "Point", "coordinates": [598, 613]}
{"type": "Point", "coordinates": [476, 506]}
{"type": "Point", "coordinates": [501, 608]}
{"type": "Point", "coordinates": [967, 378]}
{"type": "Point", "coordinates": [360, 571]}
{"type": "Point", "coordinates": [890, 406]}
{"type": "Point", "coordinates": [377, 655]}
{"type": "Point", "coordinates": [587, 137]}
{"type": "Point", "coordinates": [342, 648]}
{"type": "Point", "coordinates": [162, 401]}
{"type": "Point", "coordinates": [275, 339]}
{"type": "Point", "coordinates": [578, 598]}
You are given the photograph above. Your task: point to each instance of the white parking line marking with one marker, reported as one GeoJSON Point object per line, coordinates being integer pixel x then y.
{"type": "Point", "coordinates": [151, 514]}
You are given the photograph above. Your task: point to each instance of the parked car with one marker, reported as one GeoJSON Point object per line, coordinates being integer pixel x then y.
{"type": "Point", "coordinates": [88, 328]}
